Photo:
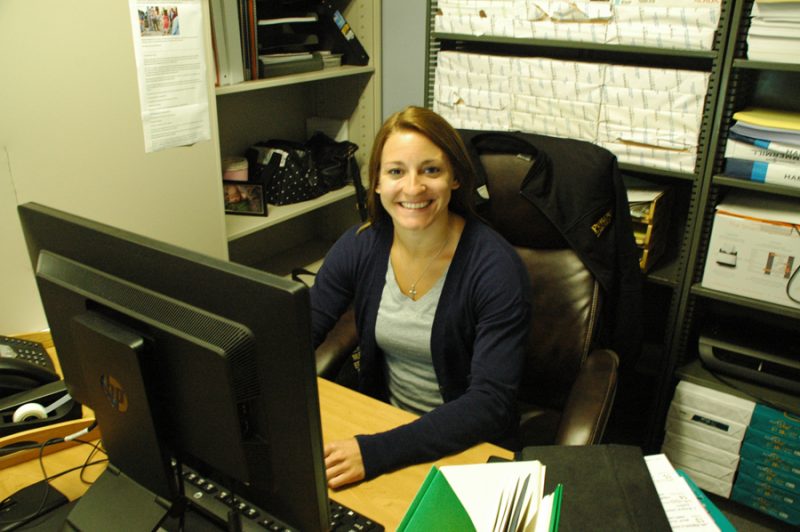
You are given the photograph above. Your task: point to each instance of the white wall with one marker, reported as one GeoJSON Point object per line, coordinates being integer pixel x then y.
{"type": "Point", "coordinates": [71, 137]}
{"type": "Point", "coordinates": [403, 52]}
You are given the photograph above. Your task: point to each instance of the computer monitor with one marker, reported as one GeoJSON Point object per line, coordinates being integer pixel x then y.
{"type": "Point", "coordinates": [184, 358]}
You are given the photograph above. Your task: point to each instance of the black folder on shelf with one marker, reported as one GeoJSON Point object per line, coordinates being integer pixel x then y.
{"type": "Point", "coordinates": [337, 36]}
{"type": "Point", "coordinates": [606, 487]}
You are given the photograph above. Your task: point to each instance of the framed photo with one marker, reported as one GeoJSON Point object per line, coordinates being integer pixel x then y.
{"type": "Point", "coordinates": [244, 198]}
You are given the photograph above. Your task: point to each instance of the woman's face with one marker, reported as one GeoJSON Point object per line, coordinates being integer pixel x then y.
{"type": "Point", "coordinates": [415, 180]}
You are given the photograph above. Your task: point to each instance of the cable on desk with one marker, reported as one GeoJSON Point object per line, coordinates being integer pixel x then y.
{"type": "Point", "coordinates": [87, 463]}
{"type": "Point", "coordinates": [15, 448]}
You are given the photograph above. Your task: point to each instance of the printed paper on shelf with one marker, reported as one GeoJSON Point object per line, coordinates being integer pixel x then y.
{"type": "Point", "coordinates": [664, 139]}
{"type": "Point", "coordinates": [774, 28]}
{"type": "Point", "coordinates": [556, 89]}
{"type": "Point", "coordinates": [706, 482]}
{"type": "Point", "coordinates": [644, 115]}
{"type": "Point", "coordinates": [681, 455]}
{"type": "Point", "coordinates": [464, 117]}
{"type": "Point", "coordinates": [701, 449]}
{"type": "Point", "coordinates": [554, 126]}
{"type": "Point", "coordinates": [703, 434]}
{"type": "Point", "coordinates": [474, 63]}
{"type": "Point", "coordinates": [683, 128]}
{"type": "Point", "coordinates": [773, 173]}
{"type": "Point", "coordinates": [725, 405]}
{"type": "Point", "coordinates": [657, 100]}
{"type": "Point", "coordinates": [560, 31]}
{"type": "Point", "coordinates": [754, 248]}
{"type": "Point", "coordinates": [709, 419]}
{"type": "Point", "coordinates": [558, 108]}
{"type": "Point", "coordinates": [770, 118]}
{"type": "Point", "coordinates": [661, 79]}
{"type": "Point", "coordinates": [473, 80]}
{"type": "Point", "coordinates": [779, 210]}
{"type": "Point", "coordinates": [741, 147]}
{"type": "Point", "coordinates": [559, 70]}
{"type": "Point", "coordinates": [649, 156]}
{"type": "Point", "coordinates": [683, 509]}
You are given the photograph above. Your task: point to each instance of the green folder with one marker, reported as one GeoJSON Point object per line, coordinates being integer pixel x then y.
{"type": "Point", "coordinates": [555, 513]}
{"type": "Point", "coordinates": [437, 507]}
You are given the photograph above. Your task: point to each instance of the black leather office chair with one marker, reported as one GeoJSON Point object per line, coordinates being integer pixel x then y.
{"type": "Point", "coordinates": [568, 386]}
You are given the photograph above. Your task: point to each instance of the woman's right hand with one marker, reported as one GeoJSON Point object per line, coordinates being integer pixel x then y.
{"type": "Point", "coordinates": [343, 463]}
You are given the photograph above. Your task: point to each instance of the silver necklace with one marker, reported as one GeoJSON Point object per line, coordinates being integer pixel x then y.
{"type": "Point", "coordinates": [412, 292]}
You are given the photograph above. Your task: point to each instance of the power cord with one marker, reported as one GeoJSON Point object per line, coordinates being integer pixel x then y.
{"type": "Point", "coordinates": [46, 479]}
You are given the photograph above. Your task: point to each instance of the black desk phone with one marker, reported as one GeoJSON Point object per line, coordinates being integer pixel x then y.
{"type": "Point", "coordinates": [24, 365]}
{"type": "Point", "coordinates": [32, 394]}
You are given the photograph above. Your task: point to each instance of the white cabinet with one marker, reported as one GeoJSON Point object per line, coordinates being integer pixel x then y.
{"type": "Point", "coordinates": [300, 234]}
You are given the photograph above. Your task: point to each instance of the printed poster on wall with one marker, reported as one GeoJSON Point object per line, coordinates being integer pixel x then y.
{"type": "Point", "coordinates": [171, 68]}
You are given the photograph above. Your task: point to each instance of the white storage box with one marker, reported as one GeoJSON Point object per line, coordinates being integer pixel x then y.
{"type": "Point", "coordinates": [754, 249]}
{"type": "Point", "coordinates": [703, 434]}
{"type": "Point", "coordinates": [723, 405]}
{"type": "Point", "coordinates": [728, 461]}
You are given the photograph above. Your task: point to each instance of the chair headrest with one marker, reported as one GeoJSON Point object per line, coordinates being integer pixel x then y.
{"type": "Point", "coordinates": [513, 216]}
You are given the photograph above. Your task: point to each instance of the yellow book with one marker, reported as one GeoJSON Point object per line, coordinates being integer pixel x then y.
{"type": "Point", "coordinates": [760, 116]}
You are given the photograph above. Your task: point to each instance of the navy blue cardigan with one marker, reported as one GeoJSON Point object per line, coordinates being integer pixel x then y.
{"type": "Point", "coordinates": [477, 341]}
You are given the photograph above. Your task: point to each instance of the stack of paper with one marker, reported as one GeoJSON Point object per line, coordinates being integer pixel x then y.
{"type": "Point", "coordinates": [764, 145]}
{"type": "Point", "coordinates": [684, 509]}
{"type": "Point", "coordinates": [704, 431]}
{"type": "Point", "coordinates": [774, 33]}
{"type": "Point", "coordinates": [675, 24]}
{"type": "Point", "coordinates": [498, 496]}
{"type": "Point", "coordinates": [647, 116]}
{"type": "Point", "coordinates": [652, 116]}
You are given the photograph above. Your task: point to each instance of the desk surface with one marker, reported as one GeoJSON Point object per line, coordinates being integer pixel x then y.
{"type": "Point", "coordinates": [344, 413]}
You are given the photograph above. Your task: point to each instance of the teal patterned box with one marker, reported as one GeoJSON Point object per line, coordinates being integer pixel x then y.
{"type": "Point", "coordinates": [772, 442]}
{"type": "Point", "coordinates": [765, 498]}
{"type": "Point", "coordinates": [777, 460]}
{"type": "Point", "coordinates": [782, 424]}
{"type": "Point", "coordinates": [784, 481]}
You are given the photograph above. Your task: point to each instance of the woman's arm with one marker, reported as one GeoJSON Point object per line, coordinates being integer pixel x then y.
{"type": "Point", "coordinates": [334, 286]}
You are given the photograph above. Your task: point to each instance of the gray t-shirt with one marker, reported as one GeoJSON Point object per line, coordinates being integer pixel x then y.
{"type": "Point", "coordinates": [403, 333]}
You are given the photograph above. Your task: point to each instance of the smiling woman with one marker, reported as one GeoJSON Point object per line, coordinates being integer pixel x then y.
{"type": "Point", "coordinates": [440, 301]}
{"type": "Point", "coordinates": [414, 185]}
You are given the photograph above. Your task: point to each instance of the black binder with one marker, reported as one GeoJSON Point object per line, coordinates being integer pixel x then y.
{"type": "Point", "coordinates": [606, 487]}
{"type": "Point", "coordinates": [337, 35]}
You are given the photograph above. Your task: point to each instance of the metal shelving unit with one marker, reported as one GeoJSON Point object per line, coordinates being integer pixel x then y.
{"type": "Point", "coordinates": [743, 83]}
{"type": "Point", "coordinates": [668, 284]}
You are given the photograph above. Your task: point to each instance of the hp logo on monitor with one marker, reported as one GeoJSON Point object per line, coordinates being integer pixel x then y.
{"type": "Point", "coordinates": [114, 393]}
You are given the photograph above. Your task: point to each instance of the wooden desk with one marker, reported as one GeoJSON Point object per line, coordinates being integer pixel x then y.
{"type": "Point", "coordinates": [344, 414]}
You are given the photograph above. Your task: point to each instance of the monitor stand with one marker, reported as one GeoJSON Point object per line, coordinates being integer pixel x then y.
{"type": "Point", "coordinates": [114, 502]}
{"type": "Point", "coordinates": [139, 487]}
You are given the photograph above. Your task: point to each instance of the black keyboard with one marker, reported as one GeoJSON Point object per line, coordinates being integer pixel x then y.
{"type": "Point", "coordinates": [215, 502]}
{"type": "Point", "coordinates": [343, 519]}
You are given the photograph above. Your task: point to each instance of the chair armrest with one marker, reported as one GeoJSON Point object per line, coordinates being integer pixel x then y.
{"type": "Point", "coordinates": [338, 345]}
{"type": "Point", "coordinates": [589, 403]}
